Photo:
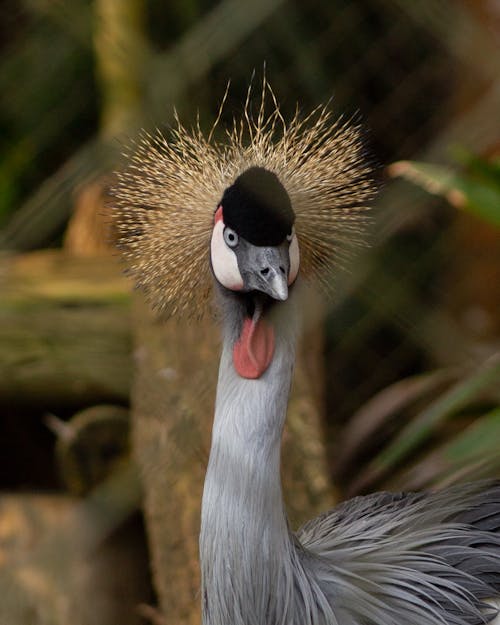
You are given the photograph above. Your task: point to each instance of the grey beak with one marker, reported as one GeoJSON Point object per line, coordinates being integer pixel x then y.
{"type": "Point", "coordinates": [274, 284]}
{"type": "Point", "coordinates": [266, 269]}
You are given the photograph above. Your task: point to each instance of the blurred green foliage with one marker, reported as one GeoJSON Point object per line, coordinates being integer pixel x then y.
{"type": "Point", "coordinates": [49, 102]}
{"type": "Point", "coordinates": [476, 188]}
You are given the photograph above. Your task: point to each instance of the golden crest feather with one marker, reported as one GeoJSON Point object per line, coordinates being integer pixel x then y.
{"type": "Point", "coordinates": [165, 199]}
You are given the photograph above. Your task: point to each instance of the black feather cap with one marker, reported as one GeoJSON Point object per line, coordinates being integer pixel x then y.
{"type": "Point", "coordinates": [258, 208]}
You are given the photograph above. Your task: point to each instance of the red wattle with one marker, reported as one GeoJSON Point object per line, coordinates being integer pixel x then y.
{"type": "Point", "coordinates": [253, 352]}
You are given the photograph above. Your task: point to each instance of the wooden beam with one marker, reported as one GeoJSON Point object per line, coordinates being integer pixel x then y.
{"type": "Point", "coordinates": [64, 329]}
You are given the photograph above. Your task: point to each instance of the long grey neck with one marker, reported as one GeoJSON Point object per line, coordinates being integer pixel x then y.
{"type": "Point", "coordinates": [245, 543]}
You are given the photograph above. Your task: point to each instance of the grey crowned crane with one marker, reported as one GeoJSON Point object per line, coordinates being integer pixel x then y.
{"type": "Point", "coordinates": [255, 216]}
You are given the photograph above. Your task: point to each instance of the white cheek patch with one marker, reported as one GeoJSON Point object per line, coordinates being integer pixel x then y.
{"type": "Point", "coordinates": [224, 262]}
{"type": "Point", "coordinates": [294, 254]}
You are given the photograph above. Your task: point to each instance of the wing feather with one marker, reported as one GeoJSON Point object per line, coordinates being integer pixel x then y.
{"type": "Point", "coordinates": [434, 556]}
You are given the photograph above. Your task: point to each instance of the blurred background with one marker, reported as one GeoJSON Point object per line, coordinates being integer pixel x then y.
{"type": "Point", "coordinates": [406, 388]}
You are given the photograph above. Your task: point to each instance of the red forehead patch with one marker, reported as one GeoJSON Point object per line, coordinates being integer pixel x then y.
{"type": "Point", "coordinates": [218, 215]}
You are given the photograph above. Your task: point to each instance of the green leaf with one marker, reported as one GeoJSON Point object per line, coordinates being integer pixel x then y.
{"type": "Point", "coordinates": [487, 170]}
{"type": "Point", "coordinates": [482, 199]}
{"type": "Point", "coordinates": [478, 440]}
{"type": "Point", "coordinates": [384, 408]}
{"type": "Point", "coordinates": [423, 426]}
{"type": "Point", "coordinates": [471, 454]}
{"type": "Point", "coordinates": [477, 191]}
{"type": "Point", "coordinates": [427, 422]}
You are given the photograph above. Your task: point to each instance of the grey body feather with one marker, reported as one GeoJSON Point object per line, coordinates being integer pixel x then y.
{"type": "Point", "coordinates": [383, 559]}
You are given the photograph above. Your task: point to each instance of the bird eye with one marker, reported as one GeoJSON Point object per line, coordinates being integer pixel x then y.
{"type": "Point", "coordinates": [230, 237]}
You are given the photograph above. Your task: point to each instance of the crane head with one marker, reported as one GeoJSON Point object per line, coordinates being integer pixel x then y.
{"type": "Point", "coordinates": [254, 255]}
{"type": "Point", "coordinates": [254, 247]}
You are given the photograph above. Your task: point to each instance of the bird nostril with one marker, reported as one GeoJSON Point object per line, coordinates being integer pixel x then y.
{"type": "Point", "coordinates": [264, 271]}
{"type": "Point", "coordinates": [282, 269]}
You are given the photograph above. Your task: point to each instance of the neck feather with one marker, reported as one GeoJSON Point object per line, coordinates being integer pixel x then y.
{"type": "Point", "coordinates": [245, 539]}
